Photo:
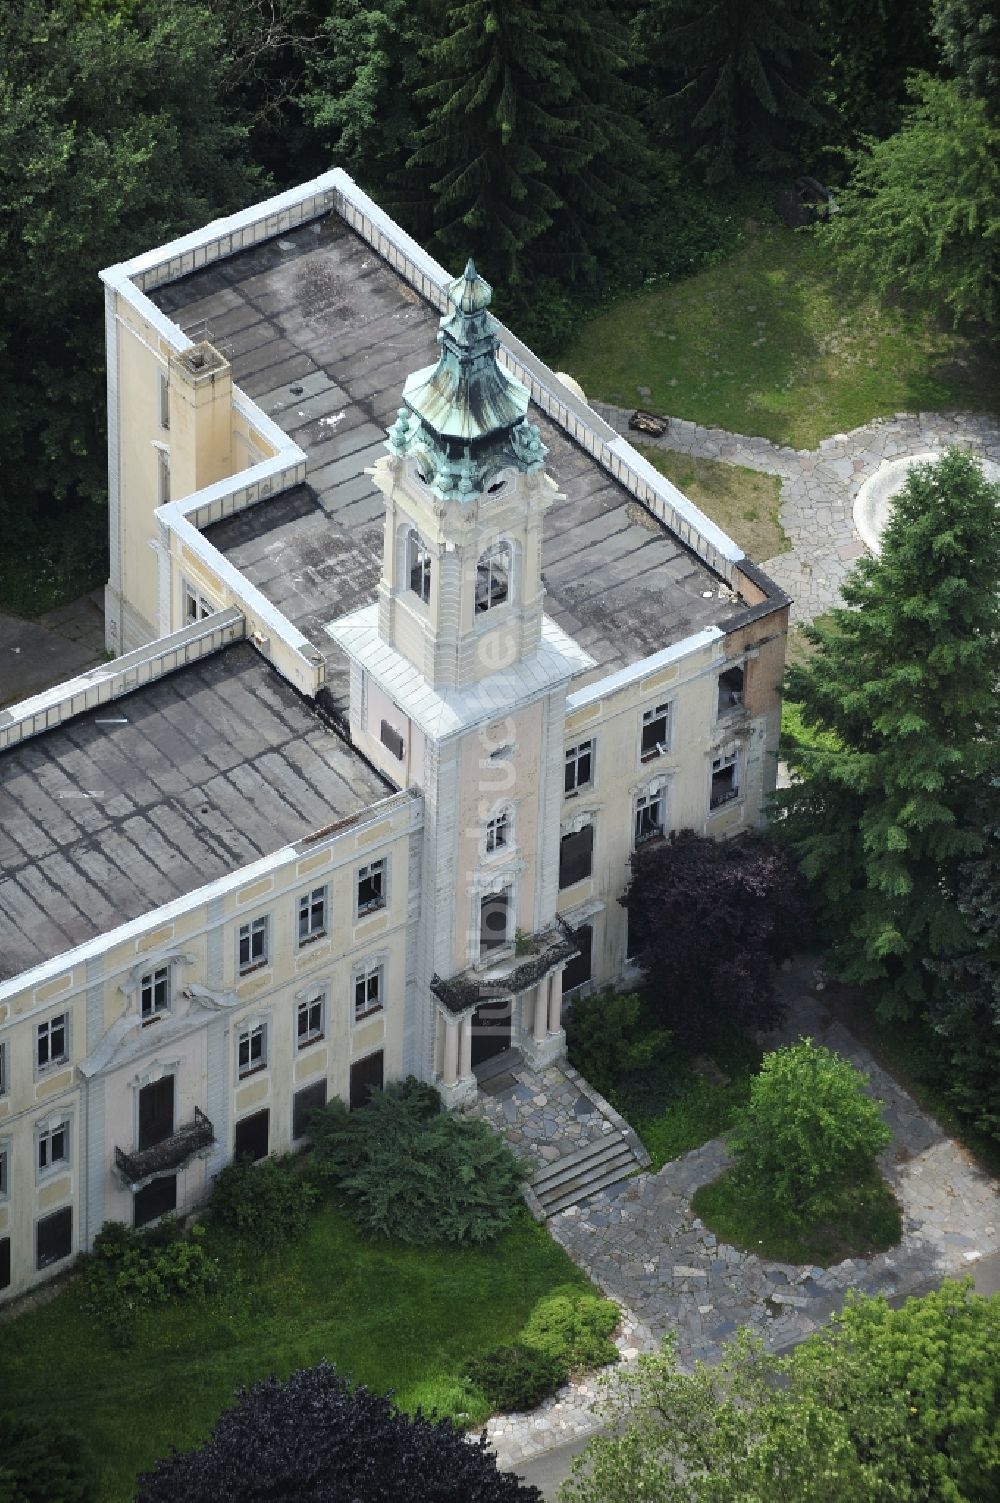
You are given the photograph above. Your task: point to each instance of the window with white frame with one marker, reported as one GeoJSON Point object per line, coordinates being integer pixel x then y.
{"type": "Point", "coordinates": [154, 993]}
{"type": "Point", "coordinates": [196, 606]}
{"type": "Point", "coordinates": [52, 1041]}
{"type": "Point", "coordinates": [162, 475]}
{"type": "Point", "coordinates": [418, 565]}
{"type": "Point", "coordinates": [655, 731]}
{"type": "Point", "coordinates": [53, 1146]}
{"type": "Point", "coordinates": [725, 780]}
{"type": "Point", "coordinates": [579, 766]}
{"type": "Point", "coordinates": [251, 1049]}
{"type": "Point", "coordinates": [310, 1020]}
{"type": "Point", "coordinates": [371, 886]}
{"type": "Point", "coordinates": [650, 813]}
{"type": "Point", "coordinates": [164, 400]}
{"type": "Point", "coordinates": [253, 945]}
{"type": "Point", "coordinates": [312, 915]}
{"type": "Point", "coordinates": [499, 832]}
{"type": "Point", "coordinates": [368, 991]}
{"type": "Point", "coordinates": [493, 577]}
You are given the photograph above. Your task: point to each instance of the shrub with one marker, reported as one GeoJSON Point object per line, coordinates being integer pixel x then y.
{"type": "Point", "coordinates": [575, 1327]}
{"type": "Point", "coordinates": [40, 1463]}
{"type": "Point", "coordinates": [265, 1204]}
{"type": "Point", "coordinates": [806, 1132]}
{"type": "Point", "coordinates": [418, 1177]}
{"type": "Point", "coordinates": [517, 1377]}
{"type": "Point", "coordinates": [129, 1271]}
{"type": "Point", "coordinates": [607, 1040]}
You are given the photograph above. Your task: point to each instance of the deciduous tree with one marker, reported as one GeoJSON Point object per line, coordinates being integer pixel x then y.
{"type": "Point", "coordinates": [968, 32]}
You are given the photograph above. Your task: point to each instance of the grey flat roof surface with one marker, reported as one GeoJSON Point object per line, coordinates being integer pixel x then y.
{"type": "Point", "coordinates": [318, 310]}
{"type": "Point", "coordinates": [218, 764]}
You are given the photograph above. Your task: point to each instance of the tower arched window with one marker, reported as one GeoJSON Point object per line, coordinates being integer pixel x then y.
{"type": "Point", "coordinates": [418, 565]}
{"type": "Point", "coordinates": [493, 577]}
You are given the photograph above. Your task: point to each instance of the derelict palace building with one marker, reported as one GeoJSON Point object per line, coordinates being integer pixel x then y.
{"type": "Point", "coordinates": [411, 650]}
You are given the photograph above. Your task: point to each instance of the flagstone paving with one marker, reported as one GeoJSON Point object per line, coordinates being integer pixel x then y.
{"type": "Point", "coordinates": [641, 1243]}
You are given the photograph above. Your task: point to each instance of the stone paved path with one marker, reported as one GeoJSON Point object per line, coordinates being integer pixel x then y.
{"type": "Point", "coordinates": [818, 486]}
{"type": "Point", "coordinates": [646, 1250]}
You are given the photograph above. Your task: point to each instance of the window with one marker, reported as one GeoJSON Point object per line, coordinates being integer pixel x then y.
{"type": "Point", "coordinates": [312, 915]}
{"type": "Point", "coordinates": [371, 886]}
{"type": "Point", "coordinates": [162, 476]}
{"type": "Point", "coordinates": [164, 400]}
{"type": "Point", "coordinates": [579, 766]}
{"type": "Point", "coordinates": [52, 1041]}
{"type": "Point", "coordinates": [494, 915]}
{"type": "Point", "coordinates": [4, 1173]}
{"type": "Point", "coordinates": [3, 1070]}
{"type": "Point", "coordinates": [252, 1137]}
{"type": "Point", "coordinates": [392, 740]}
{"type": "Point", "coordinates": [493, 577]}
{"type": "Point", "coordinates": [725, 780]}
{"type": "Point", "coordinates": [311, 1098]}
{"type": "Point", "coordinates": [4, 1262]}
{"type": "Point", "coordinates": [368, 991]}
{"type": "Point", "coordinates": [154, 1200]}
{"type": "Point", "coordinates": [154, 993]}
{"type": "Point", "coordinates": [253, 945]}
{"type": "Point", "coordinates": [252, 1049]}
{"type": "Point", "coordinates": [156, 1112]}
{"type": "Point", "coordinates": [54, 1237]}
{"type": "Point", "coordinates": [53, 1147]}
{"type": "Point", "coordinates": [196, 606]}
{"type": "Point", "coordinates": [655, 725]}
{"type": "Point", "coordinates": [730, 691]}
{"type": "Point", "coordinates": [418, 565]}
{"type": "Point", "coordinates": [649, 815]}
{"type": "Point", "coordinates": [498, 832]}
{"type": "Point", "coordinates": [309, 1021]}
{"type": "Point", "coordinates": [577, 971]}
{"type": "Point", "coordinates": [576, 856]}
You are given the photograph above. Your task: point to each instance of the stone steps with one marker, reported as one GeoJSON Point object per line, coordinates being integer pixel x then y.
{"type": "Point", "coordinates": [573, 1177]}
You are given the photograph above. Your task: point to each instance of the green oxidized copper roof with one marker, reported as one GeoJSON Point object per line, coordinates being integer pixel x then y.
{"type": "Point", "coordinates": [465, 416]}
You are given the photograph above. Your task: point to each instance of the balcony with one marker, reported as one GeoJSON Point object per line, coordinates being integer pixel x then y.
{"type": "Point", "coordinates": [166, 1155]}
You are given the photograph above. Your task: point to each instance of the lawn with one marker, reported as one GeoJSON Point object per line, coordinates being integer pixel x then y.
{"type": "Point", "coordinates": [393, 1317]}
{"type": "Point", "coordinates": [744, 503]}
{"type": "Point", "coordinates": [772, 342]}
{"type": "Point", "coordinates": [865, 1221]}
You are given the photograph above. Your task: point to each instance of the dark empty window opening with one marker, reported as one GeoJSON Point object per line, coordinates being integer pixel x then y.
{"type": "Point", "coordinates": [649, 815]}
{"type": "Point", "coordinates": [252, 1136]}
{"type": "Point", "coordinates": [654, 731]}
{"type": "Point", "coordinates": [392, 740]}
{"type": "Point", "coordinates": [725, 781]}
{"type": "Point", "coordinates": [418, 565]}
{"type": "Point", "coordinates": [576, 856]}
{"type": "Point", "coordinates": [311, 1098]}
{"type": "Point", "coordinates": [371, 887]}
{"type": "Point", "coordinates": [494, 914]}
{"type": "Point", "coordinates": [4, 1262]}
{"type": "Point", "coordinates": [154, 1200]}
{"type": "Point", "coordinates": [156, 1112]}
{"type": "Point", "coordinates": [577, 972]}
{"type": "Point", "coordinates": [493, 577]}
{"type": "Point", "coordinates": [54, 1237]}
{"type": "Point", "coordinates": [730, 691]}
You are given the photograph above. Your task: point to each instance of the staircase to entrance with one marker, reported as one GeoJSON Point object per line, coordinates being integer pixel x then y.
{"type": "Point", "coordinates": [576, 1141]}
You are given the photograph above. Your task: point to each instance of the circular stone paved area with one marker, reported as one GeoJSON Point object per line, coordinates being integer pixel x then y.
{"type": "Point", "coordinates": [641, 1243]}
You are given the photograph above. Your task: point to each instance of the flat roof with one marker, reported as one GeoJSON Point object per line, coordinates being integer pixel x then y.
{"type": "Point", "coordinates": [215, 765]}
{"type": "Point", "coordinates": [322, 333]}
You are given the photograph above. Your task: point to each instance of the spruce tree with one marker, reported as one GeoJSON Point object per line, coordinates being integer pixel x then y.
{"type": "Point", "coordinates": [530, 132]}
{"type": "Point", "coordinates": [883, 815]}
{"type": "Point", "coordinates": [739, 76]}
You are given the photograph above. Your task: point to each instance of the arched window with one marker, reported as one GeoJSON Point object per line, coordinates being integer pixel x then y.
{"type": "Point", "coordinates": [493, 577]}
{"type": "Point", "coordinates": [418, 565]}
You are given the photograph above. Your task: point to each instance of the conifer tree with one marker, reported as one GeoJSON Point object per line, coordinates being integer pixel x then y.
{"type": "Point", "coordinates": [531, 132]}
{"type": "Point", "coordinates": [739, 75]}
{"type": "Point", "coordinates": [968, 32]}
{"type": "Point", "coordinates": [883, 817]}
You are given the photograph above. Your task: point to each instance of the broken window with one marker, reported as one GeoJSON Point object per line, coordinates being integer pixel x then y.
{"type": "Point", "coordinates": [418, 565]}
{"type": "Point", "coordinates": [579, 766]}
{"type": "Point", "coordinates": [493, 577]}
{"type": "Point", "coordinates": [655, 728]}
{"type": "Point", "coordinates": [50, 1041]}
{"type": "Point", "coordinates": [368, 991]}
{"type": "Point", "coordinates": [309, 1020]}
{"type": "Point", "coordinates": [578, 970]}
{"type": "Point", "coordinates": [498, 832]}
{"type": "Point", "coordinates": [253, 945]}
{"type": "Point", "coordinates": [494, 914]}
{"type": "Point", "coordinates": [53, 1147]}
{"type": "Point", "coordinates": [725, 780]}
{"type": "Point", "coordinates": [371, 887]}
{"type": "Point", "coordinates": [196, 606]}
{"type": "Point", "coordinates": [54, 1237]}
{"type": "Point", "coordinates": [576, 856]}
{"type": "Point", "coordinates": [154, 993]}
{"type": "Point", "coordinates": [650, 814]}
{"type": "Point", "coordinates": [730, 691]}
{"type": "Point", "coordinates": [252, 1049]}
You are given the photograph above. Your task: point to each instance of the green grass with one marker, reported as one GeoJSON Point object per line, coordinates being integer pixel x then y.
{"type": "Point", "coordinates": [744, 503]}
{"type": "Point", "coordinates": [865, 1221]}
{"type": "Point", "coordinates": [773, 342]}
{"type": "Point", "coordinates": [393, 1317]}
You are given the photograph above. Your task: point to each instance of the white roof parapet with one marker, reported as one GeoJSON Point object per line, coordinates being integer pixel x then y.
{"type": "Point", "coordinates": [109, 681]}
{"type": "Point", "coordinates": [623, 677]}
{"type": "Point", "coordinates": [440, 713]}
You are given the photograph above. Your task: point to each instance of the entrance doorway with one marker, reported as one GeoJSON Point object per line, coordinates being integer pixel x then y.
{"type": "Point", "coordinates": [491, 1029]}
{"type": "Point", "coordinates": [366, 1076]}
